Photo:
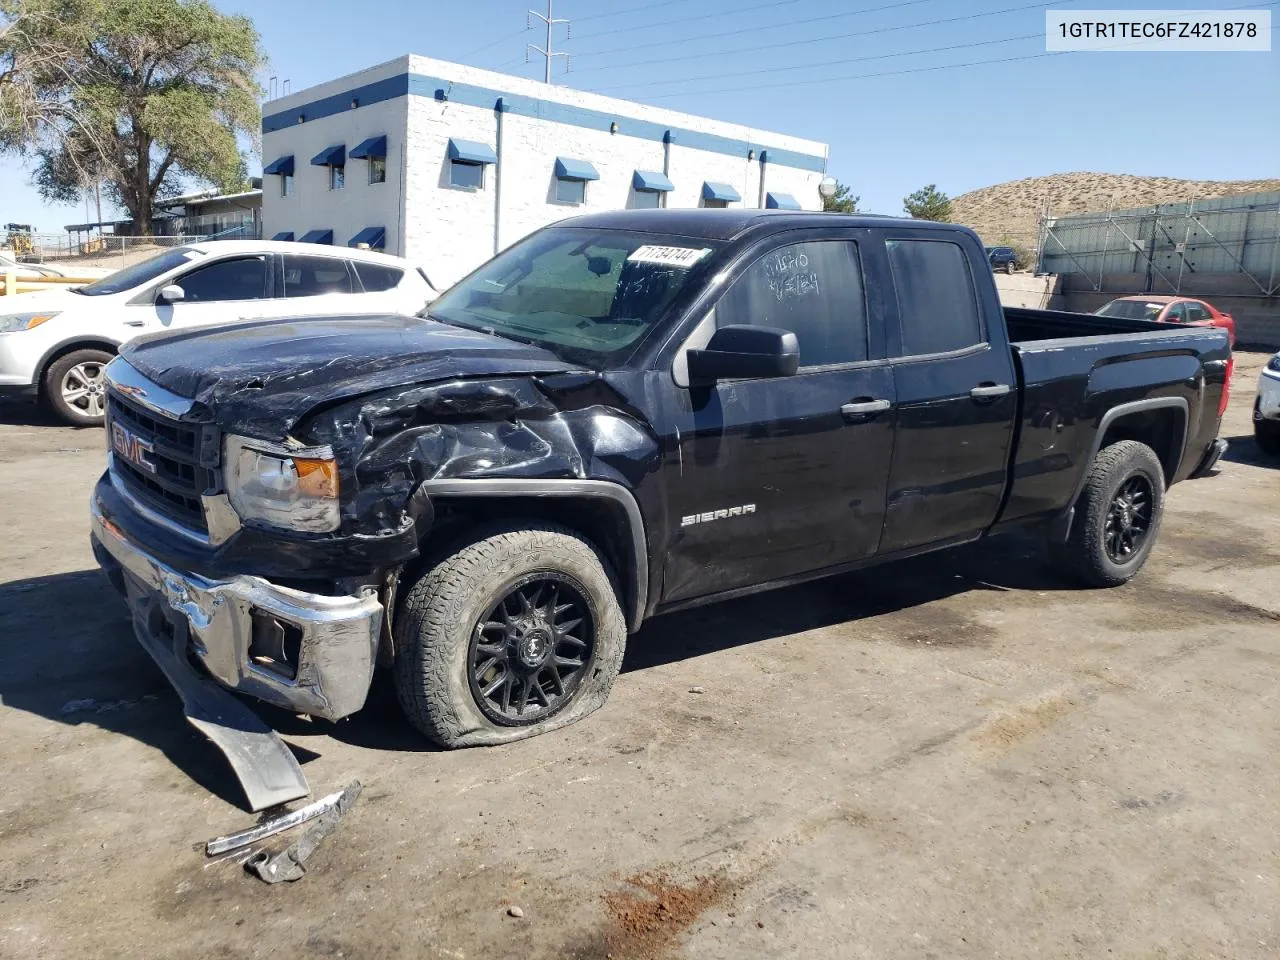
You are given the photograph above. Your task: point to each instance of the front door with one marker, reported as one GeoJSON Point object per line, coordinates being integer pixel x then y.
{"type": "Point", "coordinates": [221, 292]}
{"type": "Point", "coordinates": [778, 477]}
{"type": "Point", "coordinates": [956, 398]}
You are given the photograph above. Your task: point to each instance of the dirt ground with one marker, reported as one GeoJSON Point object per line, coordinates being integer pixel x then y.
{"type": "Point", "coordinates": [955, 757]}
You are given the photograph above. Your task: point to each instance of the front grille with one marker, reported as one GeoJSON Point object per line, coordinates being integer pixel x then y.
{"type": "Point", "coordinates": [180, 477]}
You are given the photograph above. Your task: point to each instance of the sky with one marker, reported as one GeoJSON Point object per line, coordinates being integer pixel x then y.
{"type": "Point", "coordinates": [892, 85]}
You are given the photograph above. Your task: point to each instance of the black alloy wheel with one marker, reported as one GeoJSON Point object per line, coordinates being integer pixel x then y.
{"type": "Point", "coordinates": [1128, 519]}
{"type": "Point", "coordinates": [531, 650]}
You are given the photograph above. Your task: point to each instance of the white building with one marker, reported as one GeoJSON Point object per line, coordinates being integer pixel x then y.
{"type": "Point", "coordinates": [447, 164]}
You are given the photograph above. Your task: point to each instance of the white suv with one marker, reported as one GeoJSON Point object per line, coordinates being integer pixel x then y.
{"type": "Point", "coordinates": [1266, 409]}
{"type": "Point", "coordinates": [55, 344]}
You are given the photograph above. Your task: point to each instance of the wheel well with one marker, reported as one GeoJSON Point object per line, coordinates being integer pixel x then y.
{"type": "Point", "coordinates": [1162, 429]}
{"type": "Point", "coordinates": [603, 522]}
{"type": "Point", "coordinates": [63, 349]}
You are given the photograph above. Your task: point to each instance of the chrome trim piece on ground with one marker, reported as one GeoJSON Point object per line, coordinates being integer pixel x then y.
{"type": "Point", "coordinates": [269, 828]}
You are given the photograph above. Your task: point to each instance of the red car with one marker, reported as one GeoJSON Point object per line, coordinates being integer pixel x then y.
{"type": "Point", "coordinates": [1165, 309]}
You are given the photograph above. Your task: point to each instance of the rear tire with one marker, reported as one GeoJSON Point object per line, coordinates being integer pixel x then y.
{"type": "Point", "coordinates": [496, 624]}
{"type": "Point", "coordinates": [75, 387]}
{"type": "Point", "coordinates": [1266, 433]}
{"type": "Point", "coordinates": [1008, 267]}
{"type": "Point", "coordinates": [1117, 517]}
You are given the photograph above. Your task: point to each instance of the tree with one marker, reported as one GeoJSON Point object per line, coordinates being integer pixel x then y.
{"type": "Point", "coordinates": [928, 203]}
{"type": "Point", "coordinates": [840, 201]}
{"type": "Point", "coordinates": [140, 94]}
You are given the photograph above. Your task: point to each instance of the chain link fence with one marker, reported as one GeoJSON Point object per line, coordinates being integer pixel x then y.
{"type": "Point", "coordinates": [109, 252]}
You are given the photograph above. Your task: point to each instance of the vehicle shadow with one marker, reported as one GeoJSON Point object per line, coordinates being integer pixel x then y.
{"type": "Point", "coordinates": [25, 413]}
{"type": "Point", "coordinates": [67, 654]}
{"type": "Point", "coordinates": [1245, 449]}
{"type": "Point", "coordinates": [67, 651]}
{"type": "Point", "coordinates": [1010, 563]}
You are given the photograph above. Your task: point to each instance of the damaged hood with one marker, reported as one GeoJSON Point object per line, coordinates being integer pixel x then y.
{"type": "Point", "coordinates": [262, 378]}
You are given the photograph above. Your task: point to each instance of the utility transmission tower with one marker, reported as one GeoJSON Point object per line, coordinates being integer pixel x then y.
{"type": "Point", "coordinates": [547, 53]}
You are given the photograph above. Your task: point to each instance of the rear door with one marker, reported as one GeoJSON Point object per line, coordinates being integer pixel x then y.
{"type": "Point", "coordinates": [777, 477]}
{"type": "Point", "coordinates": [956, 391]}
{"type": "Point", "coordinates": [318, 285]}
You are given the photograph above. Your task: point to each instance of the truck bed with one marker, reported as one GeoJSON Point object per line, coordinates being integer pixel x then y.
{"type": "Point", "coordinates": [1026, 324]}
{"type": "Point", "coordinates": [1075, 367]}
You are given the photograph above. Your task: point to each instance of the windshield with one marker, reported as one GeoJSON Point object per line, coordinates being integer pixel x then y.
{"type": "Point", "coordinates": [589, 296]}
{"type": "Point", "coordinates": [1131, 309]}
{"type": "Point", "coordinates": [141, 272]}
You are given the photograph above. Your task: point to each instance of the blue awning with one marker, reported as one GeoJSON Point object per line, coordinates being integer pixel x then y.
{"type": "Point", "coordinates": [719, 191]}
{"type": "Point", "coordinates": [649, 180]}
{"type": "Point", "coordinates": [373, 147]}
{"type": "Point", "coordinates": [317, 236]}
{"type": "Point", "coordinates": [568, 168]}
{"type": "Point", "coordinates": [283, 166]}
{"type": "Point", "coordinates": [375, 237]}
{"type": "Point", "coordinates": [781, 201]}
{"type": "Point", "coordinates": [469, 151]}
{"type": "Point", "coordinates": [331, 156]}
{"type": "Point", "coordinates": [283, 235]}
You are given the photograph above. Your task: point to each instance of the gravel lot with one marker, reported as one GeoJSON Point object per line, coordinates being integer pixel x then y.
{"type": "Point", "coordinates": [953, 757]}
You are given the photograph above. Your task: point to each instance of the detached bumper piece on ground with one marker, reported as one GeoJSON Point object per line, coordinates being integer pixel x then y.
{"type": "Point", "coordinates": [291, 862]}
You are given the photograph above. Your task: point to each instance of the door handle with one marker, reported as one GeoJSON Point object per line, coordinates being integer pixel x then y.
{"type": "Point", "coordinates": [865, 408]}
{"type": "Point", "coordinates": [988, 391]}
{"type": "Point", "coordinates": [135, 323]}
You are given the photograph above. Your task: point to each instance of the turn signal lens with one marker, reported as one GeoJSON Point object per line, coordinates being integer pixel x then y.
{"type": "Point", "coordinates": [36, 321]}
{"type": "Point", "coordinates": [317, 478]}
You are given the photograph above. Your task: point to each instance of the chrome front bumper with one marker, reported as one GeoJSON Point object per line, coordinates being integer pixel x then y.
{"type": "Point", "coordinates": [338, 636]}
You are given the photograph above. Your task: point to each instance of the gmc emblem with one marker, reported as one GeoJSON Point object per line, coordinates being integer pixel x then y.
{"type": "Point", "coordinates": [132, 447]}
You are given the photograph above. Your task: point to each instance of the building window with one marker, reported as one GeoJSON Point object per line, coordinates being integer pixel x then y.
{"type": "Point", "coordinates": [286, 184]}
{"type": "Point", "coordinates": [571, 191]}
{"type": "Point", "coordinates": [715, 204]}
{"type": "Point", "coordinates": [377, 169]}
{"type": "Point", "coordinates": [647, 200]}
{"type": "Point", "coordinates": [463, 174]}
{"type": "Point", "coordinates": [337, 177]}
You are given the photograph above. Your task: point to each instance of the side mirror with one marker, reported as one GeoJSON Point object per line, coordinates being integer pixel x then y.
{"type": "Point", "coordinates": [742, 352]}
{"type": "Point", "coordinates": [171, 293]}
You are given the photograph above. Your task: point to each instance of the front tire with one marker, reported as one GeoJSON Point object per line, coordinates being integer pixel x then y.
{"type": "Point", "coordinates": [1266, 433]}
{"type": "Point", "coordinates": [515, 633]}
{"type": "Point", "coordinates": [75, 387]}
{"type": "Point", "coordinates": [1117, 517]}
{"type": "Point", "coordinates": [1008, 267]}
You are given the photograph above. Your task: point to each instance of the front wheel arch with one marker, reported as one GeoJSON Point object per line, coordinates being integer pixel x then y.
{"type": "Point", "coordinates": [57, 352]}
{"type": "Point", "coordinates": [604, 512]}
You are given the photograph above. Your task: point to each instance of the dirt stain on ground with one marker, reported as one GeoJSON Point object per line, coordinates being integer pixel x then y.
{"type": "Point", "coordinates": [1154, 606]}
{"type": "Point", "coordinates": [1007, 731]}
{"type": "Point", "coordinates": [647, 917]}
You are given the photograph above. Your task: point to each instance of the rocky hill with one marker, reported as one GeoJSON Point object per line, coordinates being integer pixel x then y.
{"type": "Point", "coordinates": [1009, 211]}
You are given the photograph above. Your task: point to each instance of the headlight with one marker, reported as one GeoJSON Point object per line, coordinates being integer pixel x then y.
{"type": "Point", "coordinates": [296, 489]}
{"type": "Point", "coordinates": [13, 322]}
{"type": "Point", "coordinates": [1274, 363]}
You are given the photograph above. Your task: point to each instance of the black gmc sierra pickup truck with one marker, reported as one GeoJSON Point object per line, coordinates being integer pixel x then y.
{"type": "Point", "coordinates": [621, 415]}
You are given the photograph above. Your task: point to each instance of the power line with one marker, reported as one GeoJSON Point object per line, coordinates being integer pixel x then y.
{"type": "Point", "coordinates": [742, 30]}
{"type": "Point", "coordinates": [929, 69]}
{"type": "Point", "coordinates": [797, 43]}
{"type": "Point", "coordinates": [488, 46]}
{"type": "Point", "coordinates": [826, 63]}
{"type": "Point", "coordinates": [701, 16]}
{"type": "Point", "coordinates": [618, 13]}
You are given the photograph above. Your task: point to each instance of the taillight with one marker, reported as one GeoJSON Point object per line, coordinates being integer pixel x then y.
{"type": "Point", "coordinates": [1226, 386]}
